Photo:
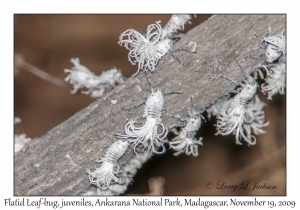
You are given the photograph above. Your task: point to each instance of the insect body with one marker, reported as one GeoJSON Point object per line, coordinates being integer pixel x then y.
{"type": "Point", "coordinates": [152, 134]}
{"type": "Point", "coordinates": [275, 46]}
{"type": "Point", "coordinates": [275, 65]}
{"type": "Point", "coordinates": [241, 116]}
{"type": "Point", "coordinates": [148, 49]}
{"type": "Point", "coordinates": [185, 141]}
{"type": "Point", "coordinates": [80, 77]}
{"type": "Point", "coordinates": [105, 175]}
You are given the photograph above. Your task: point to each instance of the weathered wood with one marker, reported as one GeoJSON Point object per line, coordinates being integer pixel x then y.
{"type": "Point", "coordinates": [44, 168]}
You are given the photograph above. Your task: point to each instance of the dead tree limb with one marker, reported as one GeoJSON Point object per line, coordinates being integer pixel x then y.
{"type": "Point", "coordinates": [55, 163]}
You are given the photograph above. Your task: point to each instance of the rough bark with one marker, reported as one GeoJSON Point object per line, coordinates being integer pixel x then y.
{"type": "Point", "coordinates": [44, 169]}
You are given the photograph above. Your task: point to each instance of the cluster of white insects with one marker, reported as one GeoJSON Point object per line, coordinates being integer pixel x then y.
{"type": "Point", "coordinates": [146, 50]}
{"type": "Point", "coordinates": [244, 113]}
{"type": "Point", "coordinates": [240, 115]}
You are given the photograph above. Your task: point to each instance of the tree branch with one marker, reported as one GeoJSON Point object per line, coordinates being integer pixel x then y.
{"type": "Point", "coordinates": [46, 167]}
